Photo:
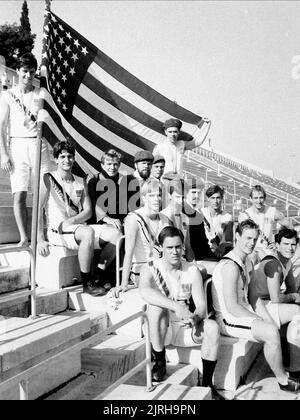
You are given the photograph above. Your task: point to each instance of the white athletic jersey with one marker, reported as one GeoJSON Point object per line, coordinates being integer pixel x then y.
{"type": "Point", "coordinates": [242, 285]}
{"type": "Point", "coordinates": [173, 154]}
{"type": "Point", "coordinates": [265, 220]}
{"type": "Point", "coordinates": [180, 221]}
{"type": "Point", "coordinates": [146, 245]}
{"type": "Point", "coordinates": [260, 278]}
{"type": "Point", "coordinates": [216, 223]}
{"type": "Point", "coordinates": [23, 111]}
{"type": "Point", "coordinates": [180, 288]}
{"type": "Point", "coordinates": [65, 199]}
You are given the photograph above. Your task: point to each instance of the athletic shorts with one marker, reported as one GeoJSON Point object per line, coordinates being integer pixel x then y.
{"type": "Point", "coordinates": [236, 327]}
{"type": "Point", "coordinates": [67, 237]}
{"type": "Point", "coordinates": [181, 336]}
{"type": "Point", "coordinates": [22, 155]}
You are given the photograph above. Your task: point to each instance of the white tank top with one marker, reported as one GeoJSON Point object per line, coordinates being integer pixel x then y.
{"type": "Point", "coordinates": [265, 220]}
{"type": "Point", "coordinates": [23, 111]}
{"type": "Point", "coordinates": [216, 224]}
{"type": "Point", "coordinates": [242, 285]}
{"type": "Point", "coordinates": [260, 278]}
{"type": "Point", "coordinates": [65, 199]}
{"type": "Point", "coordinates": [146, 246]}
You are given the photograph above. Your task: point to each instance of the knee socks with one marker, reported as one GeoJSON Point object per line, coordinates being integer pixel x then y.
{"type": "Point", "coordinates": [85, 277]}
{"type": "Point", "coordinates": [208, 372]}
{"type": "Point", "coordinates": [159, 356]}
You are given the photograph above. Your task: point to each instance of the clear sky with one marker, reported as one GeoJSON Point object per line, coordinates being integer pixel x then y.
{"type": "Point", "coordinates": [237, 63]}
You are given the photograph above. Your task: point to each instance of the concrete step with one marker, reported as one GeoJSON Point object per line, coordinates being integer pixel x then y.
{"type": "Point", "coordinates": [16, 304]}
{"type": "Point", "coordinates": [163, 391]}
{"type": "Point", "coordinates": [27, 342]}
{"type": "Point", "coordinates": [127, 304]}
{"type": "Point", "coordinates": [13, 278]}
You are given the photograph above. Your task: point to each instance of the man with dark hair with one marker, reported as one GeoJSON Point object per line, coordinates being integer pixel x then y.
{"type": "Point", "coordinates": [158, 167]}
{"type": "Point", "coordinates": [64, 196]}
{"type": "Point", "coordinates": [218, 225]}
{"type": "Point", "coordinates": [167, 285]}
{"type": "Point", "coordinates": [273, 274]}
{"type": "Point", "coordinates": [19, 108]}
{"type": "Point", "coordinates": [234, 314]}
{"type": "Point", "coordinates": [173, 148]}
{"type": "Point", "coordinates": [266, 218]}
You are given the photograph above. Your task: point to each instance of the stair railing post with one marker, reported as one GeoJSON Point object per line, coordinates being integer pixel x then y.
{"type": "Point", "coordinates": [150, 386]}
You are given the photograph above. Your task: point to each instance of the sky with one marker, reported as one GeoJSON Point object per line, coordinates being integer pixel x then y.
{"type": "Point", "coordinates": [238, 63]}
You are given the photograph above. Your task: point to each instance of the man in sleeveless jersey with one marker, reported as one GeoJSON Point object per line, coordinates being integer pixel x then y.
{"type": "Point", "coordinates": [67, 205]}
{"type": "Point", "coordinates": [141, 228]}
{"type": "Point", "coordinates": [18, 121]}
{"type": "Point", "coordinates": [173, 148]}
{"type": "Point", "coordinates": [218, 225]}
{"type": "Point", "coordinates": [266, 218]}
{"type": "Point", "coordinates": [235, 315]}
{"type": "Point", "coordinates": [273, 275]}
{"type": "Point", "coordinates": [167, 285]}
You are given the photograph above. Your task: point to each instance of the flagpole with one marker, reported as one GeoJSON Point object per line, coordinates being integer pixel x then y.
{"type": "Point", "coordinates": [36, 190]}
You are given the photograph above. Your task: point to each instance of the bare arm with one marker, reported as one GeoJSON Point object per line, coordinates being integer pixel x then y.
{"type": "Point", "coordinates": [4, 114]}
{"type": "Point", "coordinates": [281, 219]}
{"type": "Point", "coordinates": [200, 138]}
{"type": "Point", "coordinates": [198, 295]}
{"type": "Point", "coordinates": [153, 296]}
{"type": "Point", "coordinates": [42, 245]}
{"type": "Point", "coordinates": [273, 271]}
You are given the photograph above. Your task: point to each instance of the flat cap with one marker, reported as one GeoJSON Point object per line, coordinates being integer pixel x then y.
{"type": "Point", "coordinates": [143, 155]}
{"type": "Point", "coordinates": [172, 122]}
{"type": "Point", "coordinates": [158, 158]}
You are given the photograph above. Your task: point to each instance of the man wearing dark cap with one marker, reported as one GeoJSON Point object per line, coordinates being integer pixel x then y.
{"type": "Point", "coordinates": [143, 161]}
{"type": "Point", "coordinates": [158, 167]}
{"type": "Point", "coordinates": [172, 148]}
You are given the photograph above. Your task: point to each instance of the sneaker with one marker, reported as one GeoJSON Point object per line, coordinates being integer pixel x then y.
{"type": "Point", "coordinates": [293, 385]}
{"type": "Point", "coordinates": [94, 290]}
{"type": "Point", "coordinates": [159, 371]}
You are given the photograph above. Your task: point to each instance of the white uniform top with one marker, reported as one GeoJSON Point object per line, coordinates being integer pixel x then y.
{"type": "Point", "coordinates": [179, 288]}
{"type": "Point", "coordinates": [59, 208]}
{"type": "Point", "coordinates": [146, 245]}
{"type": "Point", "coordinates": [265, 220]}
{"type": "Point", "coordinates": [173, 154]}
{"type": "Point", "coordinates": [216, 222]}
{"type": "Point", "coordinates": [242, 285]}
{"type": "Point", "coordinates": [260, 278]}
{"type": "Point", "coordinates": [21, 108]}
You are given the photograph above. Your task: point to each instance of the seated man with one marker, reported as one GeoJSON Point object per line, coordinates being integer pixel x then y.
{"type": "Point", "coordinates": [234, 314]}
{"type": "Point", "coordinates": [218, 225]}
{"type": "Point", "coordinates": [271, 275]}
{"type": "Point", "coordinates": [141, 229]}
{"type": "Point", "coordinates": [266, 217]}
{"type": "Point", "coordinates": [167, 284]}
{"type": "Point", "coordinates": [175, 215]}
{"type": "Point", "coordinates": [158, 167]}
{"type": "Point", "coordinates": [67, 205]}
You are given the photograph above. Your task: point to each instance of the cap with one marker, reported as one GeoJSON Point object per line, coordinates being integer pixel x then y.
{"type": "Point", "coordinates": [143, 155]}
{"type": "Point", "coordinates": [172, 122]}
{"type": "Point", "coordinates": [158, 158]}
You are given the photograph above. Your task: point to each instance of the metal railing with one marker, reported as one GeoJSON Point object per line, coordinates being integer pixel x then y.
{"type": "Point", "coordinates": [32, 283]}
{"type": "Point", "coordinates": [22, 379]}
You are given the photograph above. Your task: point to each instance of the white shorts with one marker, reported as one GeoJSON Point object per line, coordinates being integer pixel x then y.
{"type": "Point", "coordinates": [181, 336]}
{"type": "Point", "coordinates": [22, 155]}
{"type": "Point", "coordinates": [236, 327]}
{"type": "Point", "coordinates": [273, 310]}
{"type": "Point", "coordinates": [67, 237]}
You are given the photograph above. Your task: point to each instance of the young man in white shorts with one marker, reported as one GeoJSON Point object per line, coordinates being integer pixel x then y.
{"type": "Point", "coordinates": [18, 119]}
{"type": "Point", "coordinates": [235, 315]}
{"type": "Point", "coordinates": [67, 205]}
{"type": "Point", "coordinates": [167, 285]}
{"type": "Point", "coordinates": [274, 282]}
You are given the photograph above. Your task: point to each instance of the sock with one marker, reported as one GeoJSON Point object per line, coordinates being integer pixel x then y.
{"type": "Point", "coordinates": [159, 356]}
{"type": "Point", "coordinates": [295, 374]}
{"type": "Point", "coordinates": [85, 277]}
{"type": "Point", "coordinates": [208, 371]}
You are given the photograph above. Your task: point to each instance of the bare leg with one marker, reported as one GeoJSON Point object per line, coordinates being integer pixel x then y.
{"type": "Point", "coordinates": [293, 338]}
{"type": "Point", "coordinates": [84, 235]}
{"type": "Point", "coordinates": [158, 321]}
{"type": "Point", "coordinates": [210, 344]}
{"type": "Point", "coordinates": [107, 241]}
{"type": "Point", "coordinates": [21, 216]}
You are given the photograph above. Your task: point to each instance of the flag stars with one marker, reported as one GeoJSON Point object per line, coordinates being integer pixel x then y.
{"type": "Point", "coordinates": [61, 41]}
{"type": "Point", "coordinates": [67, 49]}
{"type": "Point", "coordinates": [53, 61]}
{"type": "Point", "coordinates": [55, 32]}
{"type": "Point", "coordinates": [74, 57]}
{"type": "Point", "coordinates": [64, 78]}
{"type": "Point", "coordinates": [54, 91]}
{"type": "Point", "coordinates": [58, 100]}
{"type": "Point", "coordinates": [63, 92]}
{"type": "Point", "coordinates": [58, 70]}
{"type": "Point", "coordinates": [76, 43]}
{"type": "Point", "coordinates": [53, 76]}
{"type": "Point", "coordinates": [72, 71]}
{"type": "Point", "coordinates": [60, 27]}
{"type": "Point", "coordinates": [60, 56]}
{"type": "Point", "coordinates": [64, 107]}
{"type": "Point", "coordinates": [84, 51]}
{"type": "Point", "coordinates": [58, 85]}
{"type": "Point", "coordinates": [69, 35]}
{"type": "Point", "coordinates": [65, 64]}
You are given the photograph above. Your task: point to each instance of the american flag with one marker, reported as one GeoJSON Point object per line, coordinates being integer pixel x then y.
{"type": "Point", "coordinates": [97, 103]}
